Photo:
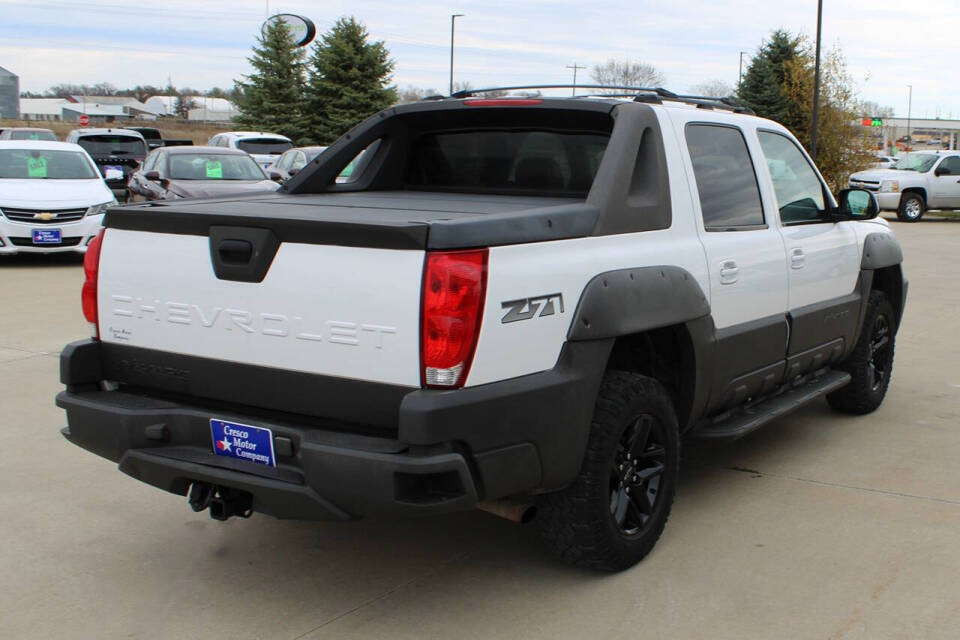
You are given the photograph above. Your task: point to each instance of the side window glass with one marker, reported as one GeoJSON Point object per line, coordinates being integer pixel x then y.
{"type": "Point", "coordinates": [284, 162]}
{"type": "Point", "coordinates": [726, 181]}
{"type": "Point", "coordinates": [214, 141]}
{"type": "Point", "coordinates": [951, 166]}
{"type": "Point", "coordinates": [799, 192]}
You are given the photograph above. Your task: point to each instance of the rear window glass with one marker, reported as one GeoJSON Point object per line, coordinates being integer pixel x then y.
{"type": "Point", "coordinates": [529, 162]}
{"type": "Point", "coordinates": [214, 167]}
{"type": "Point", "coordinates": [113, 145]}
{"type": "Point", "coordinates": [43, 164]}
{"type": "Point", "coordinates": [264, 145]}
{"type": "Point", "coordinates": [33, 135]}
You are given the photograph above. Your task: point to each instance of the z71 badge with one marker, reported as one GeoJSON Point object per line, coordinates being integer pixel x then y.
{"type": "Point", "coordinates": [526, 308]}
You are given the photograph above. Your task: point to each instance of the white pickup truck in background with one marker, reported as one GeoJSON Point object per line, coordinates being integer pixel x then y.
{"type": "Point", "coordinates": [918, 181]}
{"type": "Point", "coordinates": [516, 304]}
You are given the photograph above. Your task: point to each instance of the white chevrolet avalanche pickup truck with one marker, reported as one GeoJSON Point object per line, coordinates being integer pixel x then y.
{"type": "Point", "coordinates": [919, 181]}
{"type": "Point", "coordinates": [513, 304]}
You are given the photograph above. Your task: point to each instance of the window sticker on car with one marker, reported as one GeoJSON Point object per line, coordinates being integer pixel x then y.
{"type": "Point", "coordinates": [37, 167]}
{"type": "Point", "coordinates": [214, 169]}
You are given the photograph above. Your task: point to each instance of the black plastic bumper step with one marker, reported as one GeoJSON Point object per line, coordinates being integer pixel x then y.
{"type": "Point", "coordinates": [749, 419]}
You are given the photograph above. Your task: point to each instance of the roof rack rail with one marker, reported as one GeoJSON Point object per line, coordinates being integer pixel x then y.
{"type": "Point", "coordinates": [654, 95]}
{"type": "Point", "coordinates": [466, 93]}
{"type": "Point", "coordinates": [711, 102]}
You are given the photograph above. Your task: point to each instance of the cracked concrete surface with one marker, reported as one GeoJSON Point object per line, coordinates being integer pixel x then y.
{"type": "Point", "coordinates": [818, 526]}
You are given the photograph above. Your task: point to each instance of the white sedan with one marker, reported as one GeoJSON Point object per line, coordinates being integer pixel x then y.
{"type": "Point", "coordinates": [52, 197]}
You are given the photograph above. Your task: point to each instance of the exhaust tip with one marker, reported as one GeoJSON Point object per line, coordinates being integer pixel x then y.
{"type": "Point", "coordinates": [512, 510]}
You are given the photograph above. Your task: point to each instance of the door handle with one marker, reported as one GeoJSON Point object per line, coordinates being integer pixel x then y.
{"type": "Point", "coordinates": [729, 272]}
{"type": "Point", "coordinates": [797, 258]}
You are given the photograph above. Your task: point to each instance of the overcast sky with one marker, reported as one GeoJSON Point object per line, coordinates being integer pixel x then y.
{"type": "Point", "coordinates": [204, 43]}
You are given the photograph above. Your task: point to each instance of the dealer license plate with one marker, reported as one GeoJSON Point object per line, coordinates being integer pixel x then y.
{"type": "Point", "coordinates": [243, 441]}
{"type": "Point", "coordinates": [113, 172]}
{"type": "Point", "coordinates": [47, 236]}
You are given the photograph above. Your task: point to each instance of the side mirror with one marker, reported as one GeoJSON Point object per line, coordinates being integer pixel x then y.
{"type": "Point", "coordinates": [857, 204]}
{"type": "Point", "coordinates": [942, 171]}
{"type": "Point", "coordinates": [276, 177]}
{"type": "Point", "coordinates": [152, 175]}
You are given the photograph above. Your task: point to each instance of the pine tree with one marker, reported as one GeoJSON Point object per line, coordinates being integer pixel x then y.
{"type": "Point", "coordinates": [269, 98]}
{"type": "Point", "coordinates": [762, 88]}
{"type": "Point", "coordinates": [347, 81]}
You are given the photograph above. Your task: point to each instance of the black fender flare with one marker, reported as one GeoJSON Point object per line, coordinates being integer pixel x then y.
{"type": "Point", "coordinates": [880, 250]}
{"type": "Point", "coordinates": [626, 301]}
{"type": "Point", "coordinates": [629, 301]}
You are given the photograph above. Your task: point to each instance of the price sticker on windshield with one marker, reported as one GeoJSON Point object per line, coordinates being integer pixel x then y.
{"type": "Point", "coordinates": [37, 167]}
{"type": "Point", "coordinates": [215, 170]}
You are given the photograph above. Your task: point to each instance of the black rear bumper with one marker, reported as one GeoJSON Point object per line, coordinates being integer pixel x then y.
{"type": "Point", "coordinates": [446, 450]}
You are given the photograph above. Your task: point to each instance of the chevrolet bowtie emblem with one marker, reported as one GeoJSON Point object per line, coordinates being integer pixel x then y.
{"type": "Point", "coordinates": [45, 216]}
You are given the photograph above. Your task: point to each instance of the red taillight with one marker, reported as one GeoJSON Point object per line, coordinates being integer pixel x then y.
{"type": "Point", "coordinates": [91, 264]}
{"type": "Point", "coordinates": [502, 102]}
{"type": "Point", "coordinates": [454, 285]}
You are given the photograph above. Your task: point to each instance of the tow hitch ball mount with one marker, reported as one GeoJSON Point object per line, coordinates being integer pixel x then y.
{"type": "Point", "coordinates": [223, 502]}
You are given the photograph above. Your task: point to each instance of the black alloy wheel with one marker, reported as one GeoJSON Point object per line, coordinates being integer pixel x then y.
{"type": "Point", "coordinates": [878, 364]}
{"type": "Point", "coordinates": [636, 474]}
{"type": "Point", "coordinates": [870, 364]}
{"type": "Point", "coordinates": [612, 514]}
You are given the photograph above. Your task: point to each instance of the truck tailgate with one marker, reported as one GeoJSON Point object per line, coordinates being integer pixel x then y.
{"type": "Point", "coordinates": [342, 311]}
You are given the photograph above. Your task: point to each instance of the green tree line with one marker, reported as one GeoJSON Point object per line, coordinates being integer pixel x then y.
{"type": "Point", "coordinates": [315, 98]}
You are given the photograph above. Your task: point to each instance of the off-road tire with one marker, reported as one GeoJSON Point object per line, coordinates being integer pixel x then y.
{"type": "Point", "coordinates": [912, 206]}
{"type": "Point", "coordinates": [864, 393]}
{"type": "Point", "coordinates": [577, 523]}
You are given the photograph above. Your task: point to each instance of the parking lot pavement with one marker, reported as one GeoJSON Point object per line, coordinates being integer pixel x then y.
{"type": "Point", "coordinates": [819, 526]}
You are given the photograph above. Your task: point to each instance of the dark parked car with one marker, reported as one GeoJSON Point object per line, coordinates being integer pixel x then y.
{"type": "Point", "coordinates": [117, 152]}
{"type": "Point", "coordinates": [291, 162]}
{"type": "Point", "coordinates": [194, 172]}
{"type": "Point", "coordinates": [27, 133]}
{"type": "Point", "coordinates": [151, 135]}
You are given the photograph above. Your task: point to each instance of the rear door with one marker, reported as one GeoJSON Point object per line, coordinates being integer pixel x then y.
{"type": "Point", "coordinates": [745, 256]}
{"type": "Point", "coordinates": [823, 256]}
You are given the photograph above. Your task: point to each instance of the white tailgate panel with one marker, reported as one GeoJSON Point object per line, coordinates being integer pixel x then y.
{"type": "Point", "coordinates": [340, 311]}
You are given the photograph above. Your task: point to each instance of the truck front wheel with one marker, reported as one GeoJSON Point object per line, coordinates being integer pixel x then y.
{"type": "Point", "coordinates": [616, 509]}
{"type": "Point", "coordinates": [912, 207]}
{"type": "Point", "coordinates": [870, 364]}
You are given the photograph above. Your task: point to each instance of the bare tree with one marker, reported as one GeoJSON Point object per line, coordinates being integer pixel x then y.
{"type": "Point", "coordinates": [414, 94]}
{"type": "Point", "coordinates": [182, 105]}
{"type": "Point", "coordinates": [873, 109]}
{"type": "Point", "coordinates": [627, 73]}
{"type": "Point", "coordinates": [712, 89]}
{"type": "Point", "coordinates": [468, 86]}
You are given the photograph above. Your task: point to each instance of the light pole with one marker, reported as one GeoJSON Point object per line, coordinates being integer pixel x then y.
{"type": "Point", "coordinates": [909, 112]}
{"type": "Point", "coordinates": [575, 66]}
{"type": "Point", "coordinates": [740, 74]}
{"type": "Point", "coordinates": [453, 21]}
{"type": "Point", "coordinates": [816, 85]}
